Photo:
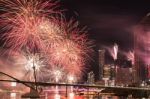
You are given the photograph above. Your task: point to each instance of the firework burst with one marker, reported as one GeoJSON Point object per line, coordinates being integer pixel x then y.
{"type": "Point", "coordinates": [30, 25]}
{"type": "Point", "coordinates": [28, 61]}
{"type": "Point", "coordinates": [67, 54]}
{"type": "Point", "coordinates": [51, 32]}
{"type": "Point", "coordinates": [72, 51]}
{"type": "Point", "coordinates": [23, 21]}
{"type": "Point", "coordinates": [130, 56]}
{"type": "Point", "coordinates": [28, 7]}
{"type": "Point", "coordinates": [57, 73]}
{"type": "Point", "coordinates": [39, 33]}
{"type": "Point", "coordinates": [113, 51]}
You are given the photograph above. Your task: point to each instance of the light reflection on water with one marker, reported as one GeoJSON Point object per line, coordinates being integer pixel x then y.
{"type": "Point", "coordinates": [58, 96]}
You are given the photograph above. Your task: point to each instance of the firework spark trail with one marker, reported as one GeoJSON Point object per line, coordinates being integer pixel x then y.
{"type": "Point", "coordinates": [72, 51]}
{"type": "Point", "coordinates": [51, 32]}
{"type": "Point", "coordinates": [30, 24]}
{"type": "Point", "coordinates": [67, 54]}
{"type": "Point", "coordinates": [23, 33]}
{"type": "Point", "coordinates": [29, 7]}
{"type": "Point", "coordinates": [22, 20]}
{"type": "Point", "coordinates": [130, 56]}
{"type": "Point", "coordinates": [78, 36]}
{"type": "Point", "coordinates": [57, 73]}
{"type": "Point", "coordinates": [27, 61]}
{"type": "Point", "coordinates": [39, 33]}
{"type": "Point", "coordinates": [113, 51]}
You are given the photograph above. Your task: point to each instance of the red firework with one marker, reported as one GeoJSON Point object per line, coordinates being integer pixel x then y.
{"type": "Point", "coordinates": [38, 33]}
{"type": "Point", "coordinates": [30, 24]}
{"type": "Point", "coordinates": [23, 20]}
{"type": "Point", "coordinates": [73, 51]}
{"type": "Point", "coordinates": [29, 7]}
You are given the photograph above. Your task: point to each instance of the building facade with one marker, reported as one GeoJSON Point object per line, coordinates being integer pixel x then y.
{"type": "Point", "coordinates": [101, 63]}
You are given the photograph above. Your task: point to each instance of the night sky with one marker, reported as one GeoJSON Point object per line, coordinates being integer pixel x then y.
{"type": "Point", "coordinates": [108, 21]}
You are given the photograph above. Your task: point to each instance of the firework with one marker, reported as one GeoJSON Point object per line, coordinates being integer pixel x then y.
{"type": "Point", "coordinates": [113, 51]}
{"type": "Point", "coordinates": [130, 56]}
{"type": "Point", "coordinates": [51, 32]}
{"type": "Point", "coordinates": [71, 78]}
{"type": "Point", "coordinates": [28, 7]}
{"type": "Point", "coordinates": [29, 25]}
{"type": "Point", "coordinates": [23, 34]}
{"type": "Point", "coordinates": [72, 51]}
{"type": "Point", "coordinates": [25, 22]}
{"type": "Point", "coordinates": [40, 34]}
{"type": "Point", "coordinates": [29, 62]}
{"type": "Point", "coordinates": [57, 73]}
{"type": "Point", "coordinates": [66, 49]}
{"type": "Point", "coordinates": [33, 61]}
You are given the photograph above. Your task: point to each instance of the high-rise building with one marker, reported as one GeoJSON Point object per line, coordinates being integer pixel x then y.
{"type": "Point", "coordinates": [101, 63]}
{"type": "Point", "coordinates": [106, 74]}
{"type": "Point", "coordinates": [124, 76]}
{"type": "Point", "coordinates": [107, 71]}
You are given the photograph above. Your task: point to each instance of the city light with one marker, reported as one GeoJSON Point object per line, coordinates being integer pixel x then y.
{"type": "Point", "coordinates": [57, 96]}
{"type": "Point", "coordinates": [13, 95]}
{"type": "Point", "coordinates": [46, 54]}
{"type": "Point", "coordinates": [71, 95]}
{"type": "Point", "coordinates": [13, 84]}
{"type": "Point", "coordinates": [71, 78]}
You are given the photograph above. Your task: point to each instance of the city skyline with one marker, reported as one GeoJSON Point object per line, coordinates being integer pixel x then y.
{"type": "Point", "coordinates": [74, 49]}
{"type": "Point", "coordinates": [109, 22]}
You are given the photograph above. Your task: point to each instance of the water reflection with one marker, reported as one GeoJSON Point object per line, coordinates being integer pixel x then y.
{"type": "Point", "coordinates": [57, 92]}
{"type": "Point", "coordinates": [60, 96]}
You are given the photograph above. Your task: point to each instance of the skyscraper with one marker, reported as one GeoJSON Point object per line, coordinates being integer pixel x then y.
{"type": "Point", "coordinates": [101, 63]}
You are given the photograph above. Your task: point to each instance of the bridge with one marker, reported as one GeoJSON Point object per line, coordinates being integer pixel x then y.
{"type": "Point", "coordinates": [117, 90]}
